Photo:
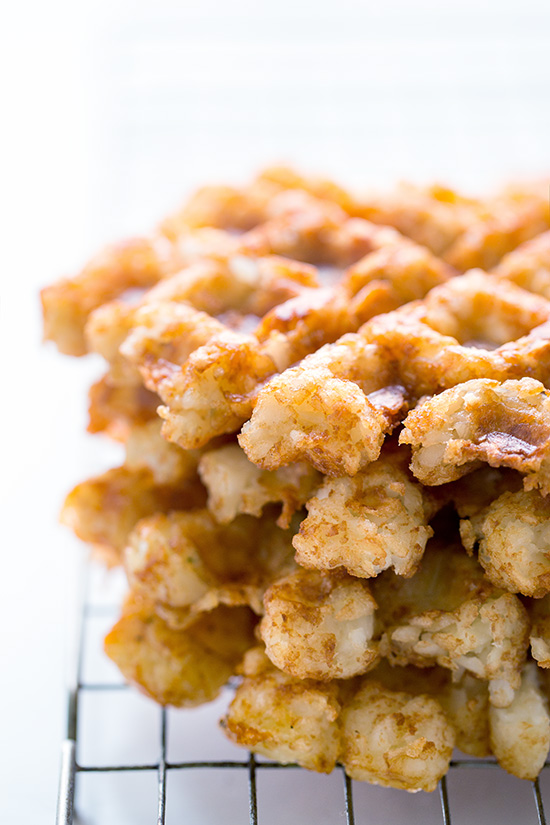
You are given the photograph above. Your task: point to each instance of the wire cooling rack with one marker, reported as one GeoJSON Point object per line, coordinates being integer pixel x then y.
{"type": "Point", "coordinates": [354, 803]}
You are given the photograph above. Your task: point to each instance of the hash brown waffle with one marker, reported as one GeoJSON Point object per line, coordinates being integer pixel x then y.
{"type": "Point", "coordinates": [262, 345]}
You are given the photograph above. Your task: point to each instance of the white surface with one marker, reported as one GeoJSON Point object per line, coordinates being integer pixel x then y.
{"type": "Point", "coordinates": [112, 110]}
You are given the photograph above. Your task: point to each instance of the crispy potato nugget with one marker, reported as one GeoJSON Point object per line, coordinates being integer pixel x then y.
{"type": "Point", "coordinates": [409, 269]}
{"type": "Point", "coordinates": [487, 638]}
{"type": "Point", "coordinates": [422, 214]}
{"type": "Point", "coordinates": [147, 449]}
{"type": "Point", "coordinates": [312, 229]}
{"type": "Point", "coordinates": [239, 283]}
{"type": "Point", "coordinates": [66, 305]}
{"type": "Point", "coordinates": [520, 733]}
{"type": "Point", "coordinates": [162, 336]}
{"type": "Point", "coordinates": [286, 719]}
{"type": "Point", "coordinates": [471, 327]}
{"type": "Point", "coordinates": [320, 625]}
{"type": "Point", "coordinates": [528, 266]}
{"type": "Point", "coordinates": [466, 706]}
{"type": "Point", "coordinates": [511, 221]}
{"type": "Point", "coordinates": [332, 410]}
{"type": "Point", "coordinates": [513, 538]}
{"type": "Point", "coordinates": [448, 614]}
{"type": "Point", "coordinates": [395, 739]}
{"type": "Point", "coordinates": [374, 521]}
{"type": "Point", "coordinates": [539, 612]}
{"type": "Point", "coordinates": [465, 701]}
{"type": "Point", "coordinates": [213, 393]}
{"type": "Point", "coordinates": [504, 424]}
{"type": "Point", "coordinates": [235, 485]}
{"type": "Point", "coordinates": [115, 410]}
{"type": "Point", "coordinates": [187, 559]}
{"type": "Point", "coordinates": [180, 667]}
{"type": "Point", "coordinates": [225, 207]}
{"type": "Point", "coordinates": [103, 510]}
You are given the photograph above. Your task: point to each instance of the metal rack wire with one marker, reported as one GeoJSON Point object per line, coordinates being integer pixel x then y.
{"type": "Point", "coordinates": [71, 769]}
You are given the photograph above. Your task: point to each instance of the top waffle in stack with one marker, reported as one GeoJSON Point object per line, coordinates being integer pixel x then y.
{"type": "Point", "coordinates": [264, 347]}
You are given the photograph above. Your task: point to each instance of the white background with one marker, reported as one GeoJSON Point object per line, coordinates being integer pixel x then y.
{"type": "Point", "coordinates": [111, 111]}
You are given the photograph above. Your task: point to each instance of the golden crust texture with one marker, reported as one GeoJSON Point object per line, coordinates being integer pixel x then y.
{"type": "Point", "coordinates": [214, 392]}
{"type": "Point", "coordinates": [103, 510]}
{"type": "Point", "coordinates": [475, 326]}
{"type": "Point", "coordinates": [115, 410]}
{"type": "Point", "coordinates": [151, 334]}
{"type": "Point", "coordinates": [235, 485]}
{"type": "Point", "coordinates": [448, 614]}
{"type": "Point", "coordinates": [395, 739]}
{"type": "Point", "coordinates": [310, 229]}
{"type": "Point", "coordinates": [66, 305]}
{"type": "Point", "coordinates": [286, 719]}
{"type": "Point", "coordinates": [528, 266]}
{"type": "Point", "coordinates": [409, 269]}
{"type": "Point", "coordinates": [513, 539]}
{"type": "Point", "coordinates": [503, 424]}
{"type": "Point", "coordinates": [513, 219]}
{"type": "Point", "coordinates": [333, 410]}
{"type": "Point", "coordinates": [465, 701]}
{"type": "Point", "coordinates": [184, 562]}
{"type": "Point", "coordinates": [539, 612]}
{"type": "Point", "coordinates": [433, 217]}
{"type": "Point", "coordinates": [376, 520]}
{"type": "Point", "coordinates": [320, 625]}
{"type": "Point", "coordinates": [520, 733]}
{"type": "Point", "coordinates": [180, 667]}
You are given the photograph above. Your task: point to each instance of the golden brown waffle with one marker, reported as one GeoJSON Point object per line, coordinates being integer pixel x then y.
{"type": "Point", "coordinates": [262, 345]}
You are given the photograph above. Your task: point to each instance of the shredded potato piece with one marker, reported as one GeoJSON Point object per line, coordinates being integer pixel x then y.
{"type": "Point", "coordinates": [103, 510]}
{"type": "Point", "coordinates": [286, 719]}
{"type": "Point", "coordinates": [395, 739]}
{"type": "Point", "coordinates": [475, 326]}
{"type": "Point", "coordinates": [520, 733]}
{"type": "Point", "coordinates": [448, 614]}
{"type": "Point", "coordinates": [180, 667]}
{"type": "Point", "coordinates": [320, 625]}
{"type": "Point", "coordinates": [332, 410]}
{"type": "Point", "coordinates": [528, 266]}
{"type": "Point", "coordinates": [235, 485]}
{"type": "Point", "coordinates": [186, 560]}
{"type": "Point", "coordinates": [540, 631]}
{"type": "Point", "coordinates": [513, 538]}
{"type": "Point", "coordinates": [504, 424]}
{"type": "Point", "coordinates": [374, 521]}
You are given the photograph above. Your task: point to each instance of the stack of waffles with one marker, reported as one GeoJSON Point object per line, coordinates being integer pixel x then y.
{"type": "Point", "coordinates": [336, 490]}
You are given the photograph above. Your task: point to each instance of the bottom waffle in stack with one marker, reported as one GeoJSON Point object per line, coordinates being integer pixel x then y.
{"type": "Point", "coordinates": [344, 497]}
